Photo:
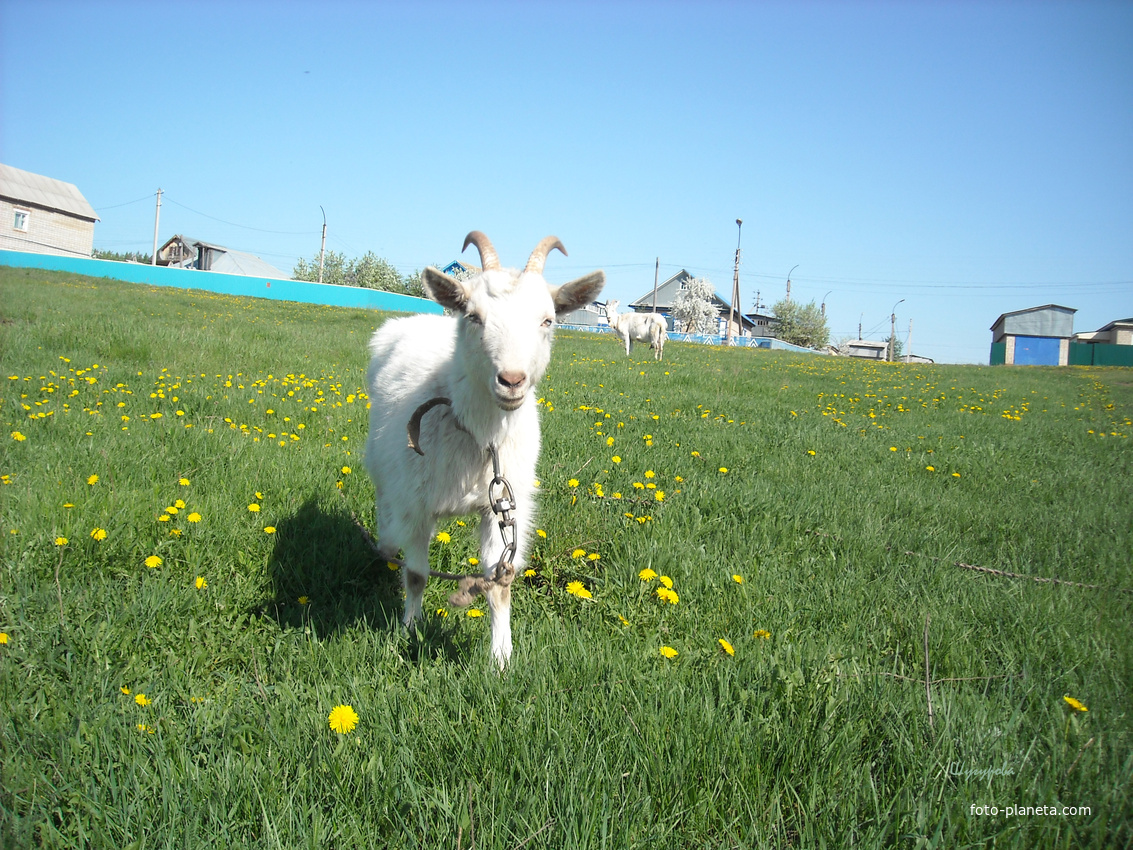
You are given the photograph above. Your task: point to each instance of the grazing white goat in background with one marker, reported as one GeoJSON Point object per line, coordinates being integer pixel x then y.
{"type": "Point", "coordinates": [638, 327]}
{"type": "Point", "coordinates": [485, 360]}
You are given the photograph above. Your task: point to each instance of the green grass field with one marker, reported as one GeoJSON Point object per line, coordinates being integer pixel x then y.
{"type": "Point", "coordinates": [184, 598]}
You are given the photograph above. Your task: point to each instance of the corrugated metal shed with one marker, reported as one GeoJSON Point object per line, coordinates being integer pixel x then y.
{"type": "Point", "coordinates": [45, 192]}
{"type": "Point", "coordinates": [1050, 320]}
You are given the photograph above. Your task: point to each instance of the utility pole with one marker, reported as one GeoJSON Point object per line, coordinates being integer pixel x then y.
{"type": "Point", "coordinates": [156, 221]}
{"type": "Point", "coordinates": [860, 325]}
{"type": "Point", "coordinates": [656, 273]}
{"type": "Point", "coordinates": [909, 342]}
{"type": "Point", "coordinates": [323, 249]}
{"type": "Point", "coordinates": [734, 306]}
{"type": "Point", "coordinates": [893, 331]}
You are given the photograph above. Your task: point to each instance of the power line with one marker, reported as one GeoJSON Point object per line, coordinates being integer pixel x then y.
{"type": "Point", "coordinates": [115, 206]}
{"type": "Point", "coordinates": [244, 226]}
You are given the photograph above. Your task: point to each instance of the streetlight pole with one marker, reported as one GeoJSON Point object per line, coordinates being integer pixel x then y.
{"type": "Point", "coordinates": [323, 249]}
{"type": "Point", "coordinates": [792, 271]}
{"type": "Point", "coordinates": [893, 331]}
{"type": "Point", "coordinates": [824, 304]}
{"type": "Point", "coordinates": [732, 308]}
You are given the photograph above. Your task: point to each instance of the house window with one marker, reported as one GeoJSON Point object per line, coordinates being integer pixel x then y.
{"type": "Point", "coordinates": [20, 220]}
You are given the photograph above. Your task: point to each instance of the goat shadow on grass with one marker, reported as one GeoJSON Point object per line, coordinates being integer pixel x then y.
{"type": "Point", "coordinates": [323, 558]}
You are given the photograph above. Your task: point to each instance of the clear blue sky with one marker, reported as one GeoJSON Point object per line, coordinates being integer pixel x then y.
{"type": "Point", "coordinates": [970, 158]}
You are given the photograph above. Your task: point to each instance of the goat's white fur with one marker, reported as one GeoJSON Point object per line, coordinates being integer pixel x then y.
{"type": "Point", "coordinates": [638, 327]}
{"type": "Point", "coordinates": [487, 359]}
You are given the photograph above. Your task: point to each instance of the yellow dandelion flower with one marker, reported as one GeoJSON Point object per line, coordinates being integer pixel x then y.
{"type": "Point", "coordinates": [609, 441]}
{"type": "Point", "coordinates": [647, 574]}
{"type": "Point", "coordinates": [444, 537]}
{"type": "Point", "coordinates": [61, 541]}
{"type": "Point", "coordinates": [92, 480]}
{"type": "Point", "coordinates": [475, 612]}
{"type": "Point", "coordinates": [594, 556]}
{"type": "Point", "coordinates": [649, 473]}
{"type": "Point", "coordinates": [179, 504]}
{"type": "Point", "coordinates": [201, 583]}
{"type": "Point", "coordinates": [1074, 704]}
{"type": "Point", "coordinates": [98, 533]}
{"type": "Point", "coordinates": [18, 437]}
{"type": "Point", "coordinates": [723, 470]}
{"type": "Point", "coordinates": [616, 459]}
{"type": "Point", "coordinates": [254, 508]}
{"type": "Point", "coordinates": [573, 482]}
{"type": "Point", "coordinates": [346, 470]}
{"type": "Point", "coordinates": [738, 579]}
{"type": "Point", "coordinates": [3, 638]}
{"type": "Point", "coordinates": [727, 647]}
{"type": "Point", "coordinates": [762, 634]}
{"type": "Point", "coordinates": [659, 495]}
{"type": "Point", "coordinates": [696, 454]}
{"type": "Point", "coordinates": [343, 719]}
{"type": "Point", "coordinates": [303, 600]}
{"type": "Point", "coordinates": [578, 553]}
{"type": "Point", "coordinates": [669, 652]}
{"type": "Point", "coordinates": [125, 690]}
{"type": "Point", "coordinates": [474, 561]}
{"type": "Point", "coordinates": [142, 700]}
{"type": "Point", "coordinates": [194, 517]}
{"type": "Point", "coordinates": [931, 468]}
{"type": "Point", "coordinates": [668, 582]}
{"type": "Point", "coordinates": [541, 533]}
{"type": "Point", "coordinates": [153, 561]}
{"type": "Point", "coordinates": [529, 573]}
{"type": "Point", "coordinates": [576, 588]}
{"type": "Point", "coordinates": [172, 510]}
{"type": "Point", "coordinates": [810, 452]}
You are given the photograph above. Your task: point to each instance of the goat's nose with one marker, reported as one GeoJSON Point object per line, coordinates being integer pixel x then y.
{"type": "Point", "coordinates": [511, 380]}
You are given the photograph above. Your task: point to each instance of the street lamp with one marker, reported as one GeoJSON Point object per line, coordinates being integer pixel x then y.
{"type": "Point", "coordinates": [323, 249]}
{"type": "Point", "coordinates": [824, 303]}
{"type": "Point", "coordinates": [735, 286]}
{"type": "Point", "coordinates": [893, 330]}
{"type": "Point", "coordinates": [796, 265]}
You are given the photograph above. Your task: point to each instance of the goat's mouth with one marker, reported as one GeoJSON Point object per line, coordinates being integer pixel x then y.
{"type": "Point", "coordinates": [510, 401]}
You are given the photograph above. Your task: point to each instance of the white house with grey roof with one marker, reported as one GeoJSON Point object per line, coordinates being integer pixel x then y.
{"type": "Point", "coordinates": [42, 215]}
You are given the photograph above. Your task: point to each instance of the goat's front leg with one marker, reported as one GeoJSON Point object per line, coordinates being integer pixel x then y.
{"type": "Point", "coordinates": [414, 574]}
{"type": "Point", "coordinates": [499, 596]}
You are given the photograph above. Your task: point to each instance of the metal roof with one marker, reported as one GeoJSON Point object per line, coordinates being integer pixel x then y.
{"type": "Point", "coordinates": [45, 192]}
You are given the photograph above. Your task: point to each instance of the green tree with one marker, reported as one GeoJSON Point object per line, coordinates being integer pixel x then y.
{"type": "Point", "coordinates": [801, 324]}
{"type": "Point", "coordinates": [368, 271]}
{"type": "Point", "coordinates": [127, 257]}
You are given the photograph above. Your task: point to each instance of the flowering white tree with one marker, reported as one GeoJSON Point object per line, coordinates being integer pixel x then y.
{"type": "Point", "coordinates": [694, 305]}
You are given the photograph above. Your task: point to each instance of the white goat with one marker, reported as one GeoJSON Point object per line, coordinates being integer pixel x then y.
{"type": "Point", "coordinates": [486, 361]}
{"type": "Point", "coordinates": [638, 327]}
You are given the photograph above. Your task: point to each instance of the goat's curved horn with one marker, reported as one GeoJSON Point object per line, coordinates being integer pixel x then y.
{"type": "Point", "coordinates": [489, 259]}
{"type": "Point", "coordinates": [539, 255]}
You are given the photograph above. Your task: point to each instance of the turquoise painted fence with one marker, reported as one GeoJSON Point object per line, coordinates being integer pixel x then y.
{"type": "Point", "coordinates": [225, 284]}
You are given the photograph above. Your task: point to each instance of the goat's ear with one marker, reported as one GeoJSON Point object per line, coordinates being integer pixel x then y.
{"type": "Point", "coordinates": [576, 293]}
{"type": "Point", "coordinates": [446, 291]}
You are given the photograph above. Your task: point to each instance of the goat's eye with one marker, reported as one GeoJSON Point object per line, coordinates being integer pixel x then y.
{"type": "Point", "coordinates": [475, 319]}
{"type": "Point", "coordinates": [548, 322]}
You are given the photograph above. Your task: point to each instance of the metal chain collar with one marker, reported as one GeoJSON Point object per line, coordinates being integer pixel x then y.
{"type": "Point", "coordinates": [500, 498]}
